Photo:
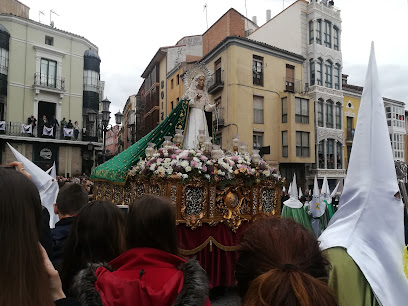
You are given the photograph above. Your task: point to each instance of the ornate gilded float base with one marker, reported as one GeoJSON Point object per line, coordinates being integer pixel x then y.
{"type": "Point", "coordinates": [198, 201]}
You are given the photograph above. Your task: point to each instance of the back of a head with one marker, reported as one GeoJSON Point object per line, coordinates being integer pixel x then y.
{"type": "Point", "coordinates": [280, 263]}
{"type": "Point", "coordinates": [151, 222]}
{"type": "Point", "coordinates": [71, 198]}
{"type": "Point", "coordinates": [23, 280]}
{"type": "Point", "coordinates": [97, 235]}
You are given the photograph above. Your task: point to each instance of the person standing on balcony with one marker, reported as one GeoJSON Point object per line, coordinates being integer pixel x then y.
{"type": "Point", "coordinates": [54, 123]}
{"type": "Point", "coordinates": [43, 122]}
{"type": "Point", "coordinates": [69, 126]}
{"type": "Point", "coordinates": [63, 125]}
{"type": "Point", "coordinates": [31, 120]}
{"type": "Point", "coordinates": [76, 130]}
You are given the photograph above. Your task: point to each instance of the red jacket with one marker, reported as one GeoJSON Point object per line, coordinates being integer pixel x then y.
{"type": "Point", "coordinates": [146, 276]}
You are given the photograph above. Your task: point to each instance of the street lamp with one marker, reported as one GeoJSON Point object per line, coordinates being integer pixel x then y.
{"type": "Point", "coordinates": [105, 122]}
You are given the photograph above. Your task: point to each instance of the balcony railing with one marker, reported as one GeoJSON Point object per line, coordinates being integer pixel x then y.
{"type": "Point", "coordinates": [217, 82]}
{"type": "Point", "coordinates": [22, 130]}
{"type": "Point", "coordinates": [292, 85]}
{"type": "Point", "coordinates": [48, 81]}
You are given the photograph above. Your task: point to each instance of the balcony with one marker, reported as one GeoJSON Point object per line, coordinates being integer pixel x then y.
{"type": "Point", "coordinates": [350, 135]}
{"type": "Point", "coordinates": [292, 85]}
{"type": "Point", "coordinates": [217, 82]}
{"type": "Point", "coordinates": [49, 82]}
{"type": "Point", "coordinates": [18, 129]}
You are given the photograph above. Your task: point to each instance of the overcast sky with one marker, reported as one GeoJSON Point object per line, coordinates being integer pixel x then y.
{"type": "Point", "coordinates": [128, 34]}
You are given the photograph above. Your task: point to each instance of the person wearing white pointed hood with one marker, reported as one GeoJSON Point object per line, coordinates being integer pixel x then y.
{"type": "Point", "coordinates": [293, 208]}
{"type": "Point", "coordinates": [365, 238]}
{"type": "Point", "coordinates": [325, 197]}
{"type": "Point", "coordinates": [317, 211]}
{"type": "Point", "coordinates": [46, 185]}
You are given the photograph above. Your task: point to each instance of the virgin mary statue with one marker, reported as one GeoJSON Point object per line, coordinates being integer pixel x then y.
{"type": "Point", "coordinates": [198, 102]}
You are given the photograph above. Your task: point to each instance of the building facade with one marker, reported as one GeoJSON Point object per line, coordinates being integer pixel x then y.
{"type": "Point", "coordinates": [129, 122]}
{"type": "Point", "coordinates": [313, 29]}
{"type": "Point", "coordinates": [49, 74]}
{"type": "Point", "coordinates": [395, 114]}
{"type": "Point", "coordinates": [257, 104]}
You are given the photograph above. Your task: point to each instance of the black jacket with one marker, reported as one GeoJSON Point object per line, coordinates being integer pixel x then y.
{"type": "Point", "coordinates": [59, 235]}
{"type": "Point", "coordinates": [45, 235]}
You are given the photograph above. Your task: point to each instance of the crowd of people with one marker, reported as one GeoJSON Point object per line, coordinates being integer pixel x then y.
{"type": "Point", "coordinates": [106, 257]}
{"type": "Point", "coordinates": [57, 127]}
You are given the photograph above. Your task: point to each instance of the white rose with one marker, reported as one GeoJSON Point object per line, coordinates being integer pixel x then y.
{"type": "Point", "coordinates": [196, 159]}
{"type": "Point", "coordinates": [185, 176]}
{"type": "Point", "coordinates": [188, 169]}
{"type": "Point", "coordinates": [184, 163]}
{"type": "Point", "coordinates": [152, 167]}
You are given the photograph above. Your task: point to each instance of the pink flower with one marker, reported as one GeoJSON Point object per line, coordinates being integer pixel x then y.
{"type": "Point", "coordinates": [173, 156]}
{"type": "Point", "coordinates": [193, 164]}
{"type": "Point", "coordinates": [234, 158]}
{"type": "Point", "coordinates": [159, 160]}
{"type": "Point", "coordinates": [205, 168]}
{"type": "Point", "coordinates": [203, 158]}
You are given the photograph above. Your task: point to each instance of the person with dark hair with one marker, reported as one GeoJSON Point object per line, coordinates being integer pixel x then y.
{"type": "Point", "coordinates": [97, 236]}
{"type": "Point", "coordinates": [287, 268]}
{"type": "Point", "coordinates": [150, 272]}
{"type": "Point", "coordinates": [26, 274]}
{"type": "Point", "coordinates": [70, 199]}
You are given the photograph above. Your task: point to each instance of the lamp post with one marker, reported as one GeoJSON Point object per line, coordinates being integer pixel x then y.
{"type": "Point", "coordinates": [105, 122]}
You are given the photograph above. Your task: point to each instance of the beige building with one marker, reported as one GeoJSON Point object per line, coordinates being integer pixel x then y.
{"type": "Point", "coordinates": [129, 122]}
{"type": "Point", "coordinates": [50, 73]}
{"type": "Point", "coordinates": [259, 104]}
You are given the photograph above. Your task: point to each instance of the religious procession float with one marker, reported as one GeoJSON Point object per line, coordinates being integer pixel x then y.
{"type": "Point", "coordinates": [216, 193]}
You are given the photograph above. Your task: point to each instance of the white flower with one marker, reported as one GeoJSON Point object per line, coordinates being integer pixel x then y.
{"type": "Point", "coordinates": [196, 159]}
{"type": "Point", "coordinates": [207, 176]}
{"type": "Point", "coordinates": [188, 169]}
{"type": "Point", "coordinates": [152, 167]}
{"type": "Point", "coordinates": [161, 170]}
{"type": "Point", "coordinates": [169, 170]}
{"type": "Point", "coordinates": [185, 176]}
{"type": "Point", "coordinates": [184, 163]}
{"type": "Point", "coordinates": [179, 174]}
{"type": "Point", "coordinates": [167, 160]}
{"type": "Point", "coordinates": [267, 173]}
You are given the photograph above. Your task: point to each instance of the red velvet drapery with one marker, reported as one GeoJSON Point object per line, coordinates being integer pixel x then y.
{"type": "Point", "coordinates": [218, 261]}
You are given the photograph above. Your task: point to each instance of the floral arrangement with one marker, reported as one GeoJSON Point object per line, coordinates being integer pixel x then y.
{"type": "Point", "coordinates": [172, 161]}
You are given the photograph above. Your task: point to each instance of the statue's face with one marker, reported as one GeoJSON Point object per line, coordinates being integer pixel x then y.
{"type": "Point", "coordinates": [201, 81]}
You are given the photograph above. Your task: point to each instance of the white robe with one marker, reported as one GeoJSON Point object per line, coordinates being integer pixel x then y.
{"type": "Point", "coordinates": [196, 118]}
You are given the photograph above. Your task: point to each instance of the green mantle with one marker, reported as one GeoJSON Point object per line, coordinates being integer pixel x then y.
{"type": "Point", "coordinates": [117, 168]}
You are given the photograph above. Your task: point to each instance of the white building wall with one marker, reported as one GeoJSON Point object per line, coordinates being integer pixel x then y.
{"type": "Point", "coordinates": [284, 30]}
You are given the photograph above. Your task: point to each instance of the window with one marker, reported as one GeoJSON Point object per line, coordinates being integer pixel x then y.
{"type": "Point", "coordinates": [217, 69]}
{"type": "Point", "coordinates": [336, 38]}
{"type": "Point", "coordinates": [319, 31]}
{"type": "Point", "coordinates": [338, 116]}
{"type": "Point", "coordinates": [48, 72]}
{"type": "Point", "coordinates": [171, 84]}
{"type": "Point", "coordinates": [327, 33]}
{"type": "Point", "coordinates": [302, 144]}
{"type": "Point", "coordinates": [329, 114]}
{"type": "Point", "coordinates": [49, 40]}
{"type": "Point", "coordinates": [178, 79]}
{"type": "Point", "coordinates": [339, 156]}
{"type": "Point", "coordinates": [312, 72]}
{"type": "Point", "coordinates": [172, 104]}
{"type": "Point", "coordinates": [257, 70]}
{"type": "Point", "coordinates": [285, 144]}
{"type": "Point", "coordinates": [301, 110]}
{"type": "Point", "coordinates": [258, 140]}
{"type": "Point", "coordinates": [290, 78]}
{"type": "Point", "coordinates": [258, 109]}
{"type": "Point", "coordinates": [4, 55]}
{"type": "Point", "coordinates": [348, 154]}
{"type": "Point", "coordinates": [320, 150]}
{"type": "Point", "coordinates": [320, 112]}
{"type": "Point", "coordinates": [330, 153]}
{"type": "Point", "coordinates": [328, 74]}
{"type": "Point", "coordinates": [284, 110]}
{"type": "Point", "coordinates": [311, 34]}
{"type": "Point", "coordinates": [337, 76]}
{"type": "Point", "coordinates": [178, 99]}
{"type": "Point", "coordinates": [91, 81]}
{"type": "Point", "coordinates": [319, 72]}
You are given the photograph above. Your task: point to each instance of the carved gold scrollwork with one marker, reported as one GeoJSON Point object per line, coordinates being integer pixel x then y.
{"type": "Point", "coordinates": [268, 198]}
{"type": "Point", "coordinates": [194, 202]}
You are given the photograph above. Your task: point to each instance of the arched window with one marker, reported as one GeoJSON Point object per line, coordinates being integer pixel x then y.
{"type": "Point", "coordinates": [319, 72]}
{"type": "Point", "coordinates": [320, 150]}
{"type": "Point", "coordinates": [327, 33]}
{"type": "Point", "coordinates": [312, 73]}
{"type": "Point", "coordinates": [329, 114]}
{"type": "Point", "coordinates": [336, 38]}
{"type": "Point", "coordinates": [339, 148]}
{"type": "Point", "coordinates": [319, 31]}
{"type": "Point", "coordinates": [328, 74]}
{"type": "Point", "coordinates": [330, 154]}
{"type": "Point", "coordinates": [320, 112]}
{"type": "Point", "coordinates": [338, 116]}
{"type": "Point", "coordinates": [311, 34]}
